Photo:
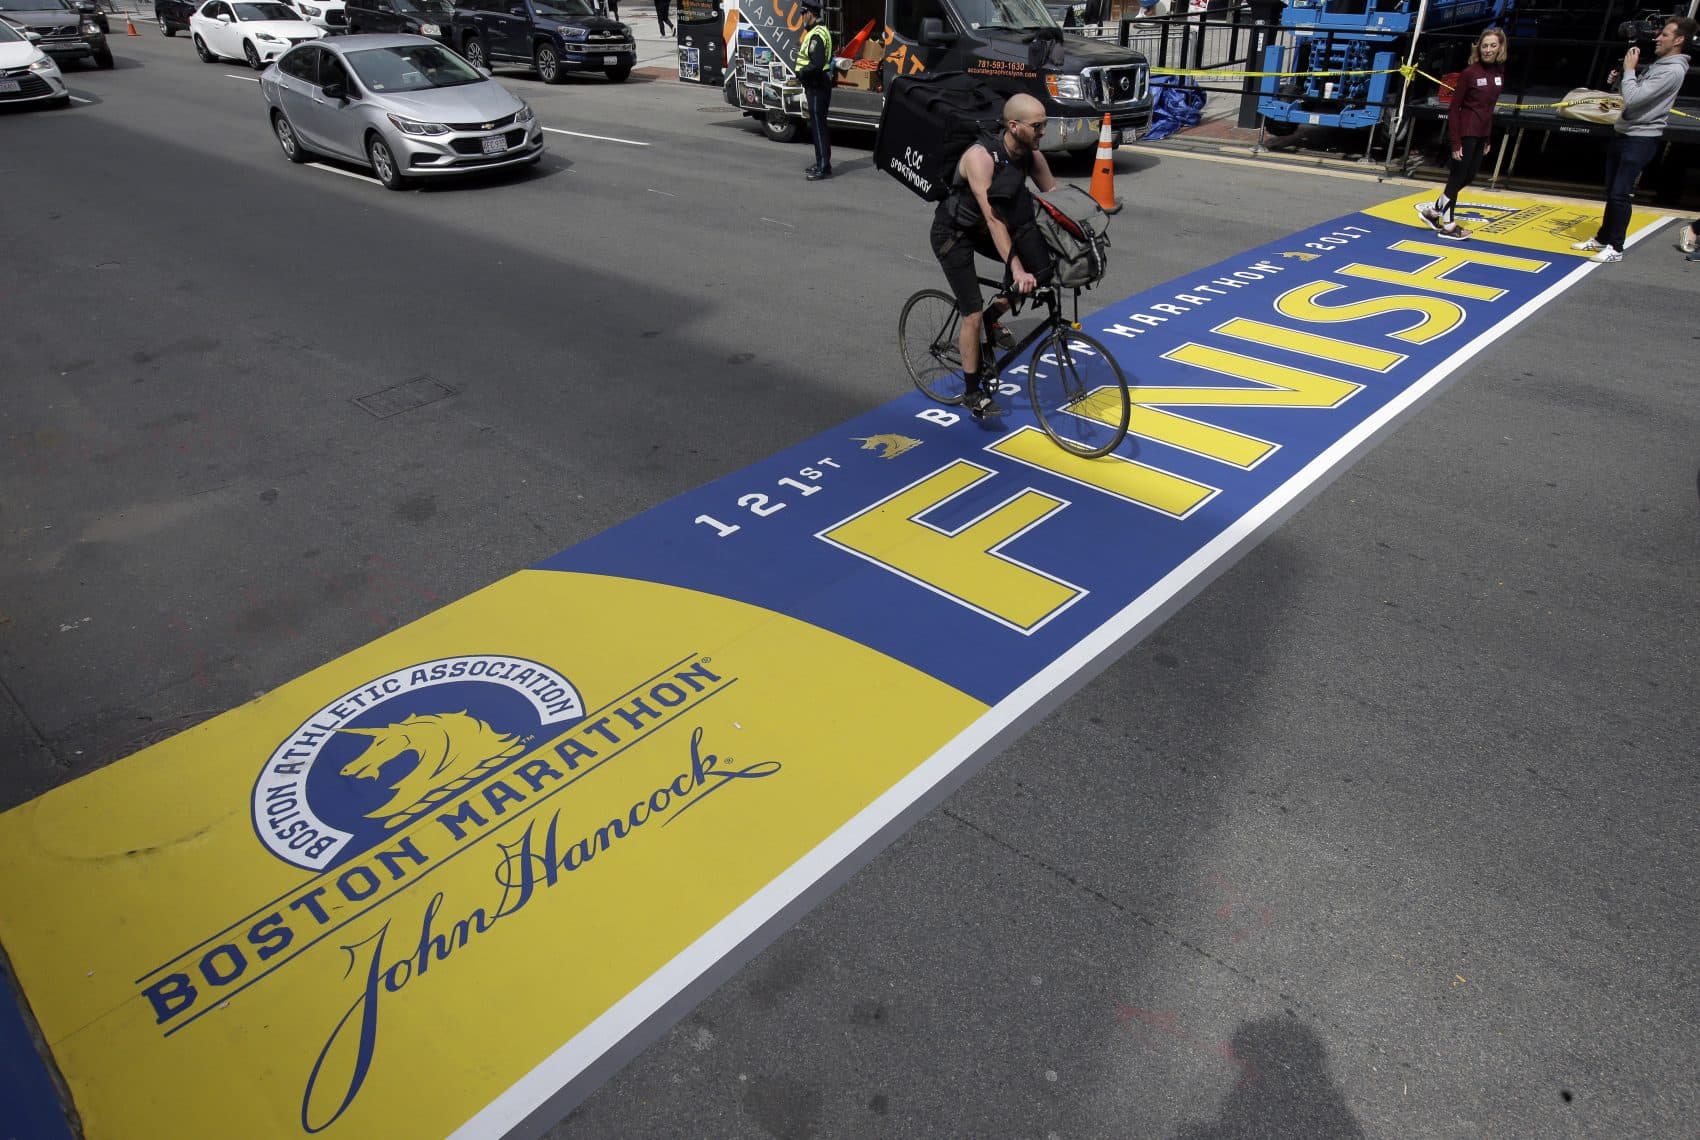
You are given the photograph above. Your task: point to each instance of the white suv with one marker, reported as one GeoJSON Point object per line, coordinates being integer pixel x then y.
{"type": "Point", "coordinates": [327, 14]}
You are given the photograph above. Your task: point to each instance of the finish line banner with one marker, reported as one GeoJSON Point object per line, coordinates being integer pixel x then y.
{"type": "Point", "coordinates": [449, 882]}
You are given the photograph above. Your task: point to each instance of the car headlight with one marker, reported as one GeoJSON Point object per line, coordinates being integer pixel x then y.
{"type": "Point", "coordinates": [430, 30]}
{"type": "Point", "coordinates": [1065, 87]}
{"type": "Point", "coordinates": [90, 28]}
{"type": "Point", "coordinates": [414, 127]}
{"type": "Point", "coordinates": [309, 10]}
{"type": "Point", "coordinates": [43, 64]}
{"type": "Point", "coordinates": [267, 37]}
{"type": "Point", "coordinates": [524, 115]}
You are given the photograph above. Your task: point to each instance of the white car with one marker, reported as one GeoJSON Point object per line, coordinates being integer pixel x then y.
{"type": "Point", "coordinates": [257, 31]}
{"type": "Point", "coordinates": [331, 15]}
{"type": "Point", "coordinates": [27, 75]}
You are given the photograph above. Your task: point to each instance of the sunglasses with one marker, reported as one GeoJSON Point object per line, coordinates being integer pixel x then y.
{"type": "Point", "coordinates": [1038, 127]}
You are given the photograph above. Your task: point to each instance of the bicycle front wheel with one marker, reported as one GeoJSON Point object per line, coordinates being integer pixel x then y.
{"type": "Point", "coordinates": [1079, 393]}
{"type": "Point", "coordinates": [927, 336]}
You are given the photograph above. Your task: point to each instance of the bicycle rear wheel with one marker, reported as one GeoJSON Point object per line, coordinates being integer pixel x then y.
{"type": "Point", "coordinates": [1079, 393]}
{"type": "Point", "coordinates": [927, 336]}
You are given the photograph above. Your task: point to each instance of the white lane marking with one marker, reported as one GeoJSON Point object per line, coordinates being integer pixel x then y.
{"type": "Point", "coordinates": [243, 78]}
{"type": "Point", "coordinates": [344, 173]}
{"type": "Point", "coordinates": [80, 99]}
{"type": "Point", "coordinates": [663, 193]}
{"type": "Point", "coordinates": [777, 222]}
{"type": "Point", "coordinates": [599, 138]}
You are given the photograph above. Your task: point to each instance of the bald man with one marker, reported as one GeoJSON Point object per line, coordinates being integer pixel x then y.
{"type": "Point", "coordinates": [990, 212]}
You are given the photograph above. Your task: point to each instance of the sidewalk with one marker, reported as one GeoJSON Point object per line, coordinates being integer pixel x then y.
{"type": "Point", "coordinates": [657, 55]}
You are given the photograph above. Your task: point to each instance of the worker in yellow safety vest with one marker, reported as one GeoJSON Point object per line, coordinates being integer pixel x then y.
{"type": "Point", "coordinates": [814, 72]}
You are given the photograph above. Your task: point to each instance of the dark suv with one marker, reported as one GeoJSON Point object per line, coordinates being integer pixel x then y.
{"type": "Point", "coordinates": [432, 18]}
{"type": "Point", "coordinates": [552, 36]}
{"type": "Point", "coordinates": [67, 31]}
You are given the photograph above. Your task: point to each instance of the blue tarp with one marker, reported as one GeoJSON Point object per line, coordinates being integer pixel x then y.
{"type": "Point", "coordinates": [1177, 103]}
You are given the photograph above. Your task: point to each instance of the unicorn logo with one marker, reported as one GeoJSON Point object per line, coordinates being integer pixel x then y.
{"type": "Point", "coordinates": [454, 751]}
{"type": "Point", "coordinates": [386, 752]}
{"type": "Point", "coordinates": [889, 446]}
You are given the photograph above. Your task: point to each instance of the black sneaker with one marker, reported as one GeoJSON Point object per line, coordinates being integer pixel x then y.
{"type": "Point", "coordinates": [980, 404]}
{"type": "Point", "coordinates": [817, 175]}
{"type": "Point", "coordinates": [1000, 336]}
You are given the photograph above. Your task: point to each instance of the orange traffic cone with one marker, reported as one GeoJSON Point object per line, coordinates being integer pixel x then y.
{"type": "Point", "coordinates": [1104, 172]}
{"type": "Point", "coordinates": [130, 27]}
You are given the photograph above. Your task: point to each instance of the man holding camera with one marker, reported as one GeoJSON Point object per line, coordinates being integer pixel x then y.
{"type": "Point", "coordinates": [1647, 100]}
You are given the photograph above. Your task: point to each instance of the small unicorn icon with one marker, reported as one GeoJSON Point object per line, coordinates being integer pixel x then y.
{"type": "Point", "coordinates": [455, 750]}
{"type": "Point", "coordinates": [889, 446]}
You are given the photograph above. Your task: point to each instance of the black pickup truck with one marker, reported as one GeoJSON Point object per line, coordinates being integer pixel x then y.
{"type": "Point", "coordinates": [551, 36]}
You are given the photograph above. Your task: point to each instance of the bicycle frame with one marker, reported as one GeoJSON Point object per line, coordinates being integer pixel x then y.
{"type": "Point", "coordinates": [1052, 298]}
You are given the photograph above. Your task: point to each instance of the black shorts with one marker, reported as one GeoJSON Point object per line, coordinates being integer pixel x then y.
{"type": "Point", "coordinates": [958, 260]}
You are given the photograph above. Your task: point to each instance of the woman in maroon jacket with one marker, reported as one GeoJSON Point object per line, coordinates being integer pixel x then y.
{"type": "Point", "coordinates": [1469, 128]}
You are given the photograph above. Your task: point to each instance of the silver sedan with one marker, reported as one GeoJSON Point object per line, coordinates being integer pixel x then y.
{"type": "Point", "coordinates": [404, 105]}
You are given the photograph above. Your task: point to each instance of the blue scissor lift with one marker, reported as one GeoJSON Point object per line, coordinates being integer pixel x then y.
{"type": "Point", "coordinates": [1342, 36]}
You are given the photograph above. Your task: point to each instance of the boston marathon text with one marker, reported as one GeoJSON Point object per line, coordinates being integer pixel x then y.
{"type": "Point", "coordinates": [245, 952]}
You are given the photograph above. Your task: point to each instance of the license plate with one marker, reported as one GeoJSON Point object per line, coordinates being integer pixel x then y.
{"type": "Point", "coordinates": [1129, 137]}
{"type": "Point", "coordinates": [495, 144]}
{"type": "Point", "coordinates": [8, 86]}
{"type": "Point", "coordinates": [610, 60]}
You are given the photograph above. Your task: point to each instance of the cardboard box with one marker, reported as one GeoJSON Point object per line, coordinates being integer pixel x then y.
{"type": "Point", "coordinates": [873, 50]}
{"type": "Point", "coordinates": [860, 78]}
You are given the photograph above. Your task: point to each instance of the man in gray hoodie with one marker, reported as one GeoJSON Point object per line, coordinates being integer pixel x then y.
{"type": "Point", "coordinates": [1647, 100]}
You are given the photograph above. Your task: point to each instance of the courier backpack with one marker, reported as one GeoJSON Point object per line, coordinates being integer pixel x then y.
{"type": "Point", "coordinates": [1077, 230]}
{"type": "Point", "coordinates": [927, 122]}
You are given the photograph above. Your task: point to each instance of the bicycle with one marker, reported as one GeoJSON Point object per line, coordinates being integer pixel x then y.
{"type": "Point", "coordinates": [1078, 392]}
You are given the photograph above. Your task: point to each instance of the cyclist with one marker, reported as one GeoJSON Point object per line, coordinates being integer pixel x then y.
{"type": "Point", "coordinates": [990, 212]}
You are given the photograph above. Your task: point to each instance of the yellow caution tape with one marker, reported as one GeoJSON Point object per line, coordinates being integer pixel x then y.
{"type": "Point", "coordinates": [1405, 71]}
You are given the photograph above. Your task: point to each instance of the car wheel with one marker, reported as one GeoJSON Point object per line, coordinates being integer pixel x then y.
{"type": "Point", "coordinates": [165, 28]}
{"type": "Point", "coordinates": [252, 56]}
{"type": "Point", "coordinates": [473, 50]}
{"type": "Point", "coordinates": [287, 138]}
{"type": "Point", "coordinates": [548, 64]}
{"type": "Point", "coordinates": [620, 74]}
{"type": "Point", "coordinates": [103, 59]}
{"type": "Point", "coordinates": [201, 50]}
{"type": "Point", "coordinates": [778, 127]}
{"type": "Point", "coordinates": [384, 164]}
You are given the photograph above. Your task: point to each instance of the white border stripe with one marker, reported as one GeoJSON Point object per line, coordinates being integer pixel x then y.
{"type": "Point", "coordinates": [546, 1094]}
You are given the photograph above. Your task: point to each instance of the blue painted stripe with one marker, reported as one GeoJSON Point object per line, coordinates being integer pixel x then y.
{"type": "Point", "coordinates": [1115, 550]}
{"type": "Point", "coordinates": [29, 1108]}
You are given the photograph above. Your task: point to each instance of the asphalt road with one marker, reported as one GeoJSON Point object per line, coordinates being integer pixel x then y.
{"type": "Point", "coordinates": [1389, 833]}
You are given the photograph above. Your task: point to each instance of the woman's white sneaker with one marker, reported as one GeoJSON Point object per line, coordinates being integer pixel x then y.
{"type": "Point", "coordinates": [1589, 246]}
{"type": "Point", "coordinates": [1606, 256]}
{"type": "Point", "coordinates": [1685, 239]}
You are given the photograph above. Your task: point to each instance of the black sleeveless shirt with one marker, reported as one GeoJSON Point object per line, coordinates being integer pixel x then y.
{"type": "Point", "coordinates": [1008, 192]}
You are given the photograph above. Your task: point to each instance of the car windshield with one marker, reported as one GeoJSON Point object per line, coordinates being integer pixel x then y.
{"type": "Point", "coordinates": [31, 5]}
{"type": "Point", "coordinates": [251, 12]}
{"type": "Point", "coordinates": [563, 9]}
{"type": "Point", "coordinates": [412, 67]}
{"type": "Point", "coordinates": [7, 35]}
{"type": "Point", "coordinates": [426, 7]}
{"type": "Point", "coordinates": [1005, 13]}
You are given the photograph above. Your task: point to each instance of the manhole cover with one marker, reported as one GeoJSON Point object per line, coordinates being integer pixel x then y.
{"type": "Point", "coordinates": [404, 397]}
